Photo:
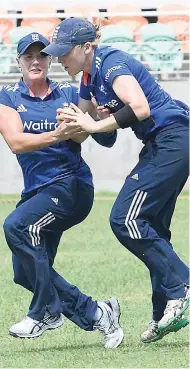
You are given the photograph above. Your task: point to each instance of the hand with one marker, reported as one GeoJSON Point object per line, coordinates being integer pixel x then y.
{"type": "Point", "coordinates": [65, 132]}
{"type": "Point", "coordinates": [60, 111]}
{"type": "Point", "coordinates": [82, 121]}
{"type": "Point", "coordinates": [100, 109]}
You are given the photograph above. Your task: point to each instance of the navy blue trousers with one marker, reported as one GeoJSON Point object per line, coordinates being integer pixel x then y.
{"type": "Point", "coordinates": [33, 231]}
{"type": "Point", "coordinates": [142, 213]}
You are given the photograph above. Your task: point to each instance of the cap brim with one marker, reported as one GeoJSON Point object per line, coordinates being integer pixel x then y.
{"type": "Point", "coordinates": [57, 50]}
{"type": "Point", "coordinates": [31, 43]}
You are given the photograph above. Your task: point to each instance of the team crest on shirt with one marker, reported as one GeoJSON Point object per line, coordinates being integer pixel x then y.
{"type": "Point", "coordinates": [102, 89]}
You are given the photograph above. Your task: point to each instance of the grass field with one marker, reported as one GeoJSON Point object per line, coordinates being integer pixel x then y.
{"type": "Point", "coordinates": [91, 257]}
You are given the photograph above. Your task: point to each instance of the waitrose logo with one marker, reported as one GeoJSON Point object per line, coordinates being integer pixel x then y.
{"type": "Point", "coordinates": [43, 125]}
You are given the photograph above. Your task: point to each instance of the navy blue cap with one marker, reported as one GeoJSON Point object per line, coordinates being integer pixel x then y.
{"type": "Point", "coordinates": [30, 39]}
{"type": "Point", "coordinates": [69, 33]}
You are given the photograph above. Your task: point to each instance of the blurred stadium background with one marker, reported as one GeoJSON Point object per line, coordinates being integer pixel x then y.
{"type": "Point", "coordinates": [157, 33]}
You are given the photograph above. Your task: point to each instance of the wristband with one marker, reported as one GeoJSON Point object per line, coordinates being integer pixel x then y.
{"type": "Point", "coordinates": [125, 117]}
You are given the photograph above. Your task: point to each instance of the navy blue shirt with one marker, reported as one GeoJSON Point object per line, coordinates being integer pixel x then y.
{"type": "Point", "coordinates": [60, 160]}
{"type": "Point", "coordinates": [109, 63]}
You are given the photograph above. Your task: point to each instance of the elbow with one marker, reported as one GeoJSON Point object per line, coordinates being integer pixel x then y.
{"type": "Point", "coordinates": [145, 113]}
{"type": "Point", "coordinates": [106, 139]}
{"type": "Point", "coordinates": [142, 111]}
{"type": "Point", "coordinates": [16, 149]}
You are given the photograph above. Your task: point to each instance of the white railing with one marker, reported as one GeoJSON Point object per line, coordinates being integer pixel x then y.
{"type": "Point", "coordinates": [90, 15]}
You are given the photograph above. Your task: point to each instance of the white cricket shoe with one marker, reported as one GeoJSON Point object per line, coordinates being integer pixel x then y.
{"type": "Point", "coordinates": [30, 328]}
{"type": "Point", "coordinates": [151, 334]}
{"type": "Point", "coordinates": [108, 324]}
{"type": "Point", "coordinates": [174, 311]}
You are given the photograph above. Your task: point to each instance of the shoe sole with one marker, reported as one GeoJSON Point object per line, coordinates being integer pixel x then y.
{"type": "Point", "coordinates": [168, 327]}
{"type": "Point", "coordinates": [182, 323]}
{"type": "Point", "coordinates": [117, 313]}
{"type": "Point", "coordinates": [38, 334]}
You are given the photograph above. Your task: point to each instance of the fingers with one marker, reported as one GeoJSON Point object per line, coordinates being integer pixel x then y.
{"type": "Point", "coordinates": [63, 116]}
{"type": "Point", "coordinates": [75, 108]}
{"type": "Point", "coordinates": [60, 110]}
{"type": "Point", "coordinates": [73, 125]}
{"type": "Point", "coordinates": [94, 102]}
{"type": "Point", "coordinates": [103, 109]}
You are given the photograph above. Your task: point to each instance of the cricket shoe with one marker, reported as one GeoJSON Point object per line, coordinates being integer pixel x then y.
{"type": "Point", "coordinates": [152, 334]}
{"type": "Point", "coordinates": [30, 328]}
{"type": "Point", "coordinates": [173, 313]}
{"type": "Point", "coordinates": [109, 324]}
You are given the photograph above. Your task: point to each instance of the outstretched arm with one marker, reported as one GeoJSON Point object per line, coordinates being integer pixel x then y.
{"type": "Point", "coordinates": [20, 142]}
{"type": "Point", "coordinates": [136, 108]}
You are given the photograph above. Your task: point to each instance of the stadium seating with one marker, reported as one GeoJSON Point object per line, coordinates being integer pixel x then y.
{"type": "Point", "coordinates": [84, 11]}
{"type": "Point", "coordinates": [160, 49]}
{"type": "Point", "coordinates": [16, 34]}
{"type": "Point", "coordinates": [132, 22]}
{"type": "Point", "coordinates": [120, 37]}
{"type": "Point", "coordinates": [162, 46]}
{"type": "Point", "coordinates": [45, 26]}
{"type": "Point", "coordinates": [180, 23]}
{"type": "Point", "coordinates": [5, 26]}
{"type": "Point", "coordinates": [38, 9]}
{"type": "Point", "coordinates": [5, 60]}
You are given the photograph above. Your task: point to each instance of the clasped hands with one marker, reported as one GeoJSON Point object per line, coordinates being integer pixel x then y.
{"type": "Point", "coordinates": [72, 121]}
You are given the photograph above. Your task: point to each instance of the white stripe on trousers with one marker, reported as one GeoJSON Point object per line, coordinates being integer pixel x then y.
{"type": "Point", "coordinates": [34, 229]}
{"type": "Point", "coordinates": [133, 213]}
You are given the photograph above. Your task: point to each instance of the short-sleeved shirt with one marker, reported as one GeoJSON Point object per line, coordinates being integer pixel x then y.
{"type": "Point", "coordinates": [108, 63]}
{"type": "Point", "coordinates": [38, 115]}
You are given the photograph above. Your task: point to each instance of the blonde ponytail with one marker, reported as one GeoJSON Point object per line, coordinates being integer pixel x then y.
{"type": "Point", "coordinates": [98, 33]}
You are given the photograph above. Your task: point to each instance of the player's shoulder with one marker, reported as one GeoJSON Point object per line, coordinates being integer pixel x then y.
{"type": "Point", "coordinates": [10, 88]}
{"type": "Point", "coordinates": [64, 86]}
{"type": "Point", "coordinates": [109, 57]}
{"type": "Point", "coordinates": [68, 89]}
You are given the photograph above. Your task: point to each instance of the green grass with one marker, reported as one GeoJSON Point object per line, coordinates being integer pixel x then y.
{"type": "Point", "coordinates": [90, 257]}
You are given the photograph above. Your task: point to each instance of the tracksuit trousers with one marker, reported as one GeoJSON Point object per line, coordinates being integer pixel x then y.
{"type": "Point", "coordinates": [142, 213]}
{"type": "Point", "coordinates": [33, 231]}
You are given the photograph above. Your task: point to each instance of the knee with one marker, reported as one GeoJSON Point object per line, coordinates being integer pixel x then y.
{"type": "Point", "coordinates": [122, 231]}
{"type": "Point", "coordinates": [9, 226]}
{"type": "Point", "coordinates": [117, 223]}
{"type": "Point", "coordinates": [13, 223]}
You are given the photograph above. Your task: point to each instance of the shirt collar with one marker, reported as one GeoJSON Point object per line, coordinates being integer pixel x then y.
{"type": "Point", "coordinates": [25, 89]}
